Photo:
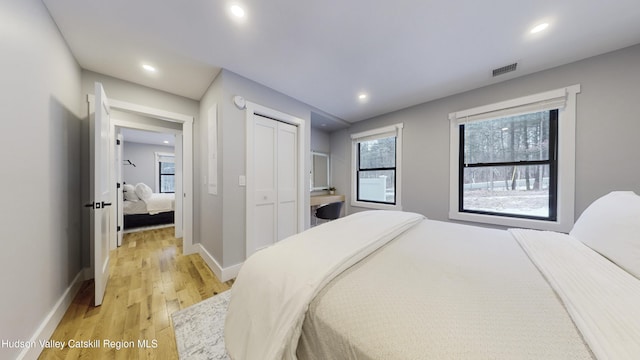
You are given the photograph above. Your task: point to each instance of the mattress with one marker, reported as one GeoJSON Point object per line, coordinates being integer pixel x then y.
{"type": "Point", "coordinates": [441, 291]}
{"type": "Point", "coordinates": [157, 204]}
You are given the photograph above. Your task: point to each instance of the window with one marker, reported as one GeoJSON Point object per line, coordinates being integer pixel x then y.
{"type": "Point", "coordinates": [166, 170]}
{"type": "Point", "coordinates": [376, 168]}
{"type": "Point", "coordinates": [509, 166]}
{"type": "Point", "coordinates": [167, 177]}
{"type": "Point", "coordinates": [513, 163]}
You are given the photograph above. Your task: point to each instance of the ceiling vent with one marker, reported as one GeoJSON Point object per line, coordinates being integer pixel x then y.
{"type": "Point", "coordinates": [505, 69]}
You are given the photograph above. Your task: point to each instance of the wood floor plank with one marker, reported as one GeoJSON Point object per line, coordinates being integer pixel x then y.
{"type": "Point", "coordinates": [150, 279]}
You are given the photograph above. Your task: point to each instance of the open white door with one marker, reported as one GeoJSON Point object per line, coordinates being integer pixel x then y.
{"type": "Point", "coordinates": [100, 191]}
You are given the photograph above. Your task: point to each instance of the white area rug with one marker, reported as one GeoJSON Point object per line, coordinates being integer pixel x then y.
{"type": "Point", "coordinates": [199, 329]}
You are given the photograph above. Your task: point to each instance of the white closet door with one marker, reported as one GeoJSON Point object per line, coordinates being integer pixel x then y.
{"type": "Point", "coordinates": [265, 173]}
{"type": "Point", "coordinates": [287, 180]}
{"type": "Point", "coordinates": [275, 172]}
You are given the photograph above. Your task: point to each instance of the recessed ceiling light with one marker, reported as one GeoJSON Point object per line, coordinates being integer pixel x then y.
{"type": "Point", "coordinates": [362, 96]}
{"type": "Point", "coordinates": [237, 11]}
{"type": "Point", "coordinates": [149, 68]}
{"type": "Point", "coordinates": [166, 141]}
{"type": "Point", "coordinates": [323, 125]}
{"type": "Point", "coordinates": [539, 28]}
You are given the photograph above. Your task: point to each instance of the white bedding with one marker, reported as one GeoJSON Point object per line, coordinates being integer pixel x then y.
{"type": "Point", "coordinates": [156, 204]}
{"type": "Point", "coordinates": [265, 313]}
{"type": "Point", "coordinates": [602, 298]}
{"type": "Point", "coordinates": [441, 291]}
{"type": "Point", "coordinates": [437, 290]}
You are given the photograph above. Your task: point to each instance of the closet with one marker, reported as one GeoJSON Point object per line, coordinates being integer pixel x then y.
{"type": "Point", "coordinates": [275, 176]}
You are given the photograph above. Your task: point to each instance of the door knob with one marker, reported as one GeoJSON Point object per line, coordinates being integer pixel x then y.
{"type": "Point", "coordinates": [105, 204]}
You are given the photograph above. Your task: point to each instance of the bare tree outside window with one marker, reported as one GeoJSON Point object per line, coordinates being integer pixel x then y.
{"type": "Point", "coordinates": [508, 165]}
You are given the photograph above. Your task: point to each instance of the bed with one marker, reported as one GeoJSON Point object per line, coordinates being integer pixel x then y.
{"type": "Point", "coordinates": [392, 285]}
{"type": "Point", "coordinates": [143, 208]}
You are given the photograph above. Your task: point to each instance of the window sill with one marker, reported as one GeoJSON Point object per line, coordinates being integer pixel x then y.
{"type": "Point", "coordinates": [512, 222]}
{"type": "Point", "coordinates": [377, 206]}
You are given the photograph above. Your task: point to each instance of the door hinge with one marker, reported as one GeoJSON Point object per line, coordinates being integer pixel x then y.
{"type": "Point", "coordinates": [118, 228]}
{"type": "Point", "coordinates": [117, 141]}
{"type": "Point", "coordinates": [118, 186]}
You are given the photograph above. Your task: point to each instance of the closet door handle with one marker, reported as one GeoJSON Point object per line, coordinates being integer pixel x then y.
{"type": "Point", "coordinates": [105, 204]}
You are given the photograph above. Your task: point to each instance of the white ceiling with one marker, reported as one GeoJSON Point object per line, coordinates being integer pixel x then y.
{"type": "Point", "coordinates": [148, 137]}
{"type": "Point", "coordinates": [325, 53]}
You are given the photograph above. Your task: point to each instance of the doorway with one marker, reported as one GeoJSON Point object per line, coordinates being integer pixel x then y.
{"type": "Point", "coordinates": [153, 158]}
{"type": "Point", "coordinates": [185, 142]}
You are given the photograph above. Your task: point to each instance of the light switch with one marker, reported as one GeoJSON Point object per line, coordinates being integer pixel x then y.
{"type": "Point", "coordinates": [242, 180]}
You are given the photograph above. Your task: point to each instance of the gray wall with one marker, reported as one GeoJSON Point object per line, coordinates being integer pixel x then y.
{"type": "Point", "coordinates": [208, 213]}
{"type": "Point", "coordinates": [126, 91]}
{"type": "Point", "coordinates": [143, 156]}
{"type": "Point", "coordinates": [320, 141]}
{"type": "Point", "coordinates": [608, 124]}
{"type": "Point", "coordinates": [228, 208]}
{"type": "Point", "coordinates": [41, 206]}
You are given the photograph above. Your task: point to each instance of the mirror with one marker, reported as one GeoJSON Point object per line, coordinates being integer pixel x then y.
{"type": "Point", "coordinates": [319, 171]}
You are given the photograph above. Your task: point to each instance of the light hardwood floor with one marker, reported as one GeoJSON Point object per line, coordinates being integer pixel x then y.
{"type": "Point", "coordinates": [150, 280]}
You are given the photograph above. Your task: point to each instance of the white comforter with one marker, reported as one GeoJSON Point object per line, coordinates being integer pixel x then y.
{"type": "Point", "coordinates": [265, 314]}
{"type": "Point", "coordinates": [441, 291]}
{"type": "Point", "coordinates": [275, 287]}
{"type": "Point", "coordinates": [158, 203]}
{"type": "Point", "coordinates": [602, 298]}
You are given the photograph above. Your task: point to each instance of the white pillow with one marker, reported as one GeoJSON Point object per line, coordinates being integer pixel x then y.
{"type": "Point", "coordinates": [143, 191]}
{"type": "Point", "coordinates": [130, 192]}
{"type": "Point", "coordinates": [611, 226]}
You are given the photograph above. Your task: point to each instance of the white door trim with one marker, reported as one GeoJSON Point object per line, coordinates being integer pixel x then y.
{"type": "Point", "coordinates": [187, 164]}
{"type": "Point", "coordinates": [179, 186]}
{"type": "Point", "coordinates": [251, 109]}
{"type": "Point", "coordinates": [119, 190]}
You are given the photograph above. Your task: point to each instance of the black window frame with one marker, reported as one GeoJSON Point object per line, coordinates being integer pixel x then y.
{"type": "Point", "coordinates": [160, 174]}
{"type": "Point", "coordinates": [552, 162]}
{"type": "Point", "coordinates": [394, 169]}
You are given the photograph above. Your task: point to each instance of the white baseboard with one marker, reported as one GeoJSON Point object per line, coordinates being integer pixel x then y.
{"type": "Point", "coordinates": [51, 321]}
{"type": "Point", "coordinates": [231, 272]}
{"type": "Point", "coordinates": [223, 274]}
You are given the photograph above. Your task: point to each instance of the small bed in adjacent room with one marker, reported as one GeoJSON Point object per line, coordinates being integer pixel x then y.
{"type": "Point", "coordinates": [394, 285]}
{"type": "Point", "coordinates": [144, 208]}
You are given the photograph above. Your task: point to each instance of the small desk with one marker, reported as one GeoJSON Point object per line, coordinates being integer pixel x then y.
{"type": "Point", "coordinates": [318, 200]}
{"type": "Point", "coordinates": [325, 199]}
